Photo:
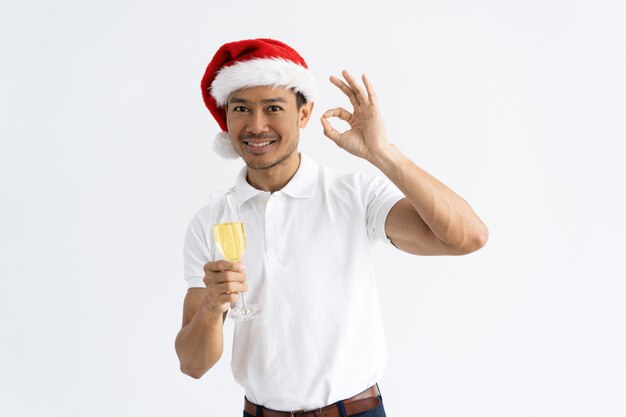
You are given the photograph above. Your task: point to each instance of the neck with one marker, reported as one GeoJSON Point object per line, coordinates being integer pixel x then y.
{"type": "Point", "coordinates": [274, 178]}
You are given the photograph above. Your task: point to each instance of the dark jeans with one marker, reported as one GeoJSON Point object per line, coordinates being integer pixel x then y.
{"type": "Point", "coordinates": [376, 412]}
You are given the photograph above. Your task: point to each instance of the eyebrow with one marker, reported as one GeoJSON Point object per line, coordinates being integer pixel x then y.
{"type": "Point", "coordinates": [235, 99]}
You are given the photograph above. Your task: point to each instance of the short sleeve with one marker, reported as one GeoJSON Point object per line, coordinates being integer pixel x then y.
{"type": "Point", "coordinates": [196, 252]}
{"type": "Point", "coordinates": [382, 195]}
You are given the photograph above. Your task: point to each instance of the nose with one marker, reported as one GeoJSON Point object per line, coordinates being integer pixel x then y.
{"type": "Point", "coordinates": [257, 123]}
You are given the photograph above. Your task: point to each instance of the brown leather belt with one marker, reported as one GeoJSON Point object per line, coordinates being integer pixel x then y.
{"type": "Point", "coordinates": [360, 403]}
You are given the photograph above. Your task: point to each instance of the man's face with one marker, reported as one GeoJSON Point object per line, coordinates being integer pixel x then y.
{"type": "Point", "coordinates": [264, 124]}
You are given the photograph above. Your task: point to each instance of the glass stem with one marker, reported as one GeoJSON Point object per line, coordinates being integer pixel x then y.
{"type": "Point", "coordinates": [244, 303]}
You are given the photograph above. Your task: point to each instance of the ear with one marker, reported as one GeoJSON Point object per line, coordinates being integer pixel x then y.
{"type": "Point", "coordinates": [305, 114]}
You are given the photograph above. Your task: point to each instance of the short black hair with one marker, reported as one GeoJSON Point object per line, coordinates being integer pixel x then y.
{"type": "Point", "coordinates": [300, 99]}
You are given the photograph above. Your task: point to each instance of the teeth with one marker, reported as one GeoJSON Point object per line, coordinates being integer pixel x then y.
{"type": "Point", "coordinates": [258, 145]}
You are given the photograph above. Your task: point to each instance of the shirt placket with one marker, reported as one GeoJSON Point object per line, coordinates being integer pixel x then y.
{"type": "Point", "coordinates": [273, 230]}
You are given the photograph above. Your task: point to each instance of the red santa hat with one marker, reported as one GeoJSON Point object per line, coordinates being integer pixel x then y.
{"type": "Point", "coordinates": [251, 63]}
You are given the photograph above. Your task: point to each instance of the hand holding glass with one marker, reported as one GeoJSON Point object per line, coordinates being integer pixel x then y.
{"type": "Point", "coordinates": [230, 239]}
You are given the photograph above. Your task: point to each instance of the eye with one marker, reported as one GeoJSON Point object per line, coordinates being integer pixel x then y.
{"type": "Point", "coordinates": [240, 109]}
{"type": "Point", "coordinates": [274, 109]}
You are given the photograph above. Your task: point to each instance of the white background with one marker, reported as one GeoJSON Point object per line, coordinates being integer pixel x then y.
{"type": "Point", "coordinates": [105, 155]}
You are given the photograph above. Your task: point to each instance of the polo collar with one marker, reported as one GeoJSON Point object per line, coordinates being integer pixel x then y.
{"type": "Point", "coordinates": [301, 185]}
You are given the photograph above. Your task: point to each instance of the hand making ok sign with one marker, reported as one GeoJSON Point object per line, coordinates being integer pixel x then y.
{"type": "Point", "coordinates": [366, 137]}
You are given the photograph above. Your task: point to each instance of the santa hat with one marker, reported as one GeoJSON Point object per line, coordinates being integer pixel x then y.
{"type": "Point", "coordinates": [251, 63]}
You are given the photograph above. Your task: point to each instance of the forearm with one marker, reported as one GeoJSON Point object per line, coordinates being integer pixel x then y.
{"type": "Point", "coordinates": [448, 216]}
{"type": "Point", "coordinates": [200, 343]}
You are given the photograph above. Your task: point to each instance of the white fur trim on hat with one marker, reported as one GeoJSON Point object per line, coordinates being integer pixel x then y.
{"type": "Point", "coordinates": [224, 147]}
{"type": "Point", "coordinates": [273, 72]}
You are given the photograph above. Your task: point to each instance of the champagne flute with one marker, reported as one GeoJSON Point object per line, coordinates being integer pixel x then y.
{"type": "Point", "coordinates": [230, 240]}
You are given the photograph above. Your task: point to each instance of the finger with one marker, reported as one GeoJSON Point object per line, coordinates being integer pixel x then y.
{"type": "Point", "coordinates": [212, 279]}
{"type": "Point", "coordinates": [358, 90]}
{"type": "Point", "coordinates": [230, 287]}
{"type": "Point", "coordinates": [226, 276]}
{"type": "Point", "coordinates": [371, 94]}
{"type": "Point", "coordinates": [339, 112]}
{"type": "Point", "coordinates": [329, 131]}
{"type": "Point", "coordinates": [216, 285]}
{"type": "Point", "coordinates": [223, 265]}
{"type": "Point", "coordinates": [345, 88]}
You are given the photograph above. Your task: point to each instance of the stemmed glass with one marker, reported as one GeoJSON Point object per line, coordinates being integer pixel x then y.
{"type": "Point", "coordinates": [230, 240]}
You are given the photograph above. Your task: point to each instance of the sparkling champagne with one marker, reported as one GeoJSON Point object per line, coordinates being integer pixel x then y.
{"type": "Point", "coordinates": [230, 240]}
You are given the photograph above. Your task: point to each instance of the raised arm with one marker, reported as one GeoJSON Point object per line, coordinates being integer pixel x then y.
{"type": "Point", "coordinates": [200, 342]}
{"type": "Point", "coordinates": [432, 219]}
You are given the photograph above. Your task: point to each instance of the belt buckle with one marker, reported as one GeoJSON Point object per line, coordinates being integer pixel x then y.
{"type": "Point", "coordinates": [317, 411]}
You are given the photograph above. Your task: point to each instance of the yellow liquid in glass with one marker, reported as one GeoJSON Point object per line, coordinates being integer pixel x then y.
{"type": "Point", "coordinates": [230, 240]}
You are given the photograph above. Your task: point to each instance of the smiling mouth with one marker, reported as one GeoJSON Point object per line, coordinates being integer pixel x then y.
{"type": "Point", "coordinates": [259, 144]}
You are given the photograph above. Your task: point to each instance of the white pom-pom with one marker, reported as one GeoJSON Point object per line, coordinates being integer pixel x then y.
{"type": "Point", "coordinates": [224, 147]}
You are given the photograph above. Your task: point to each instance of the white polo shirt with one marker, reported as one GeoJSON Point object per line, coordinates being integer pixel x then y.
{"type": "Point", "coordinates": [309, 265]}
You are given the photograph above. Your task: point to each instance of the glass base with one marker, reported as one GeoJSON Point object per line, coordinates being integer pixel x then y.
{"type": "Point", "coordinates": [243, 313]}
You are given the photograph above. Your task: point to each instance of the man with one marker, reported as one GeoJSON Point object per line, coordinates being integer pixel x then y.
{"type": "Point", "coordinates": [318, 346]}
